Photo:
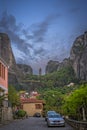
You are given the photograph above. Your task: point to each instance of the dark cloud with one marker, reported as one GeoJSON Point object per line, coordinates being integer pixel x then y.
{"type": "Point", "coordinates": [8, 22]}
{"type": "Point", "coordinates": [8, 25]}
{"type": "Point", "coordinates": [41, 29]}
{"type": "Point", "coordinates": [27, 35]}
{"type": "Point", "coordinates": [20, 37]}
{"type": "Point", "coordinates": [40, 51]}
{"type": "Point", "coordinates": [24, 40]}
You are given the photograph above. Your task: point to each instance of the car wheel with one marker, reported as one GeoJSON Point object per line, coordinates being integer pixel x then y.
{"type": "Point", "coordinates": [64, 125]}
{"type": "Point", "coordinates": [48, 125]}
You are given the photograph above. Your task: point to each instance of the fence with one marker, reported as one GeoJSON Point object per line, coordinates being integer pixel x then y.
{"type": "Point", "coordinates": [78, 125]}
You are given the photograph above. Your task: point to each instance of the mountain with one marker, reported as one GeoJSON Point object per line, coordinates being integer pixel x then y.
{"type": "Point", "coordinates": [6, 52]}
{"type": "Point", "coordinates": [78, 56]}
{"type": "Point", "coordinates": [77, 59]}
{"type": "Point", "coordinates": [26, 69]}
{"type": "Point", "coordinates": [21, 76]}
{"type": "Point", "coordinates": [53, 66]}
{"type": "Point", "coordinates": [16, 72]}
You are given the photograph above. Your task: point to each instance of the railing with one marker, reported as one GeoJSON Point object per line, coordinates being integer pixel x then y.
{"type": "Point", "coordinates": [78, 125]}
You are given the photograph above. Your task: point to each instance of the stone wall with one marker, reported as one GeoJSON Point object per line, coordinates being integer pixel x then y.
{"type": "Point", "coordinates": [6, 115]}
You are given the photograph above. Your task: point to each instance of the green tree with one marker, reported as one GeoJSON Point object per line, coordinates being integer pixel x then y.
{"type": "Point", "coordinates": [13, 96]}
{"type": "Point", "coordinates": [53, 100]}
{"type": "Point", "coordinates": [76, 102]}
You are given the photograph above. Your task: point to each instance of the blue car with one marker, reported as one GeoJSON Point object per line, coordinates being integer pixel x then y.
{"type": "Point", "coordinates": [55, 120]}
{"type": "Point", "coordinates": [49, 113]}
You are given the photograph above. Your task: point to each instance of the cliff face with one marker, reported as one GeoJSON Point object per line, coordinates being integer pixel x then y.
{"type": "Point", "coordinates": [26, 69]}
{"type": "Point", "coordinates": [6, 51]}
{"type": "Point", "coordinates": [15, 75]}
{"type": "Point", "coordinates": [78, 59]}
{"type": "Point", "coordinates": [78, 56]}
{"type": "Point", "coordinates": [52, 66]}
{"type": "Point", "coordinates": [56, 65]}
{"type": "Point", "coordinates": [7, 54]}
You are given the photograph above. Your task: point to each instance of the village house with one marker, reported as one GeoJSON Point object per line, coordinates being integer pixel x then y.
{"type": "Point", "coordinates": [32, 106]}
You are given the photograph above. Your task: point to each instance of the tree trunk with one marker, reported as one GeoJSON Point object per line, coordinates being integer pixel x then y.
{"type": "Point", "coordinates": [83, 114]}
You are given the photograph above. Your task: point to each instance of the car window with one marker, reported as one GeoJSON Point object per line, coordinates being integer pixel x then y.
{"type": "Point", "coordinates": [54, 116]}
{"type": "Point", "coordinates": [49, 112]}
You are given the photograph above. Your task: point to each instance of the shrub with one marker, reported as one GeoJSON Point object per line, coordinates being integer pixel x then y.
{"type": "Point", "coordinates": [21, 113]}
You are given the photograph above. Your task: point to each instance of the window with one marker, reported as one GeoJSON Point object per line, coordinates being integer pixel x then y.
{"type": "Point", "coordinates": [2, 71]}
{"type": "Point", "coordinates": [38, 106]}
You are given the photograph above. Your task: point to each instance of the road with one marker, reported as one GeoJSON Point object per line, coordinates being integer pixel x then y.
{"type": "Point", "coordinates": [32, 123]}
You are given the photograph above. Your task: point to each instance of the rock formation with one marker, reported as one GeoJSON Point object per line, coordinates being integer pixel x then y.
{"type": "Point", "coordinates": [26, 69]}
{"type": "Point", "coordinates": [78, 56]}
{"type": "Point", "coordinates": [56, 65]}
{"type": "Point", "coordinates": [7, 54]}
{"type": "Point", "coordinates": [6, 51]}
{"type": "Point", "coordinates": [52, 66]}
{"type": "Point", "coordinates": [78, 59]}
{"type": "Point", "coordinates": [15, 74]}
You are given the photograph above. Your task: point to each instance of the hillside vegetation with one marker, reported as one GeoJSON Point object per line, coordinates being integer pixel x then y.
{"type": "Point", "coordinates": [56, 79]}
{"type": "Point", "coordinates": [58, 95]}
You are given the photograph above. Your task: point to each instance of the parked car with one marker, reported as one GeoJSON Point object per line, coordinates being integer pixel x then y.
{"type": "Point", "coordinates": [37, 115]}
{"type": "Point", "coordinates": [48, 113]}
{"type": "Point", "coordinates": [55, 120]}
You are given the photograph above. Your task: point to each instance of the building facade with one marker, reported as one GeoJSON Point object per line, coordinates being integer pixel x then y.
{"type": "Point", "coordinates": [32, 106]}
{"type": "Point", "coordinates": [3, 77]}
{"type": "Point", "coordinates": [5, 110]}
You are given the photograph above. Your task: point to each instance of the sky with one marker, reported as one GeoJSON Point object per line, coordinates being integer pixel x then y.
{"type": "Point", "coordinates": [42, 30]}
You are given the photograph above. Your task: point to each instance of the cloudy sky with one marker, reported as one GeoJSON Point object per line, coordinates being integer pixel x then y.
{"type": "Point", "coordinates": [42, 30]}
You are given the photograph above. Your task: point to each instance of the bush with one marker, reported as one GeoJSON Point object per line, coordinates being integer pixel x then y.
{"type": "Point", "coordinates": [21, 113]}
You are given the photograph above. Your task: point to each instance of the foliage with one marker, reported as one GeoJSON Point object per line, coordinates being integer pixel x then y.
{"type": "Point", "coordinates": [75, 102]}
{"type": "Point", "coordinates": [21, 113]}
{"type": "Point", "coordinates": [57, 79]}
{"type": "Point", "coordinates": [66, 100]}
{"type": "Point", "coordinates": [31, 77]}
{"type": "Point", "coordinates": [1, 99]}
{"type": "Point", "coordinates": [13, 96]}
{"type": "Point", "coordinates": [53, 100]}
{"type": "Point", "coordinates": [56, 94]}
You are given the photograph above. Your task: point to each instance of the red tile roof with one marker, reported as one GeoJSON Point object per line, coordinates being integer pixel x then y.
{"type": "Point", "coordinates": [32, 100]}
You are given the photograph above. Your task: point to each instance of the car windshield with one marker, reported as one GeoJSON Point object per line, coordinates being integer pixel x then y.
{"type": "Point", "coordinates": [49, 112]}
{"type": "Point", "coordinates": [54, 116]}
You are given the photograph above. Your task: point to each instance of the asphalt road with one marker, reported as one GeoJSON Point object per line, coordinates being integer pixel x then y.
{"type": "Point", "coordinates": [32, 123]}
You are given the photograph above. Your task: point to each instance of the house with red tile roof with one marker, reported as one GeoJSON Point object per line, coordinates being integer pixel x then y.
{"type": "Point", "coordinates": [32, 106]}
